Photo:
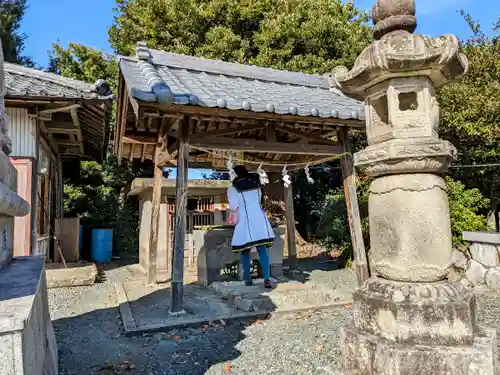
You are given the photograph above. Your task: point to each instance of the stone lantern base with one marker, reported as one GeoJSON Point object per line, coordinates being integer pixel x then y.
{"type": "Point", "coordinates": [416, 329]}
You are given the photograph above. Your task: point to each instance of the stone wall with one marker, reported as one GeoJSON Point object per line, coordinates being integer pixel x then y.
{"type": "Point", "coordinates": [479, 263]}
{"type": "Point", "coordinates": [27, 341]}
{"type": "Point", "coordinates": [213, 250]}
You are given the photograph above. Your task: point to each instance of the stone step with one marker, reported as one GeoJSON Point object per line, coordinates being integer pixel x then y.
{"type": "Point", "coordinates": [74, 274]}
{"type": "Point", "coordinates": [284, 296]}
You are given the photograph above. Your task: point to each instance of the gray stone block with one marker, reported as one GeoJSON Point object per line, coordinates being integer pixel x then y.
{"type": "Point", "coordinates": [25, 319]}
{"type": "Point", "coordinates": [410, 313]}
{"type": "Point", "coordinates": [367, 354]}
{"type": "Point", "coordinates": [492, 278]}
{"type": "Point", "coordinates": [484, 253]}
{"type": "Point", "coordinates": [482, 237]}
{"type": "Point", "coordinates": [475, 273]}
{"type": "Point", "coordinates": [215, 251]}
{"type": "Point", "coordinates": [459, 260]}
{"type": "Point", "coordinates": [277, 270]}
{"type": "Point", "coordinates": [78, 274]}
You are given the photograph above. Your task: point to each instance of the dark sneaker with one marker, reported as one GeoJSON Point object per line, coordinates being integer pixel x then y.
{"type": "Point", "coordinates": [267, 284]}
{"type": "Point", "coordinates": [249, 283]}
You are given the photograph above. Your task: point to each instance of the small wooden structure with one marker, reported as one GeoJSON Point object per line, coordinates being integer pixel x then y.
{"type": "Point", "coordinates": [53, 123]}
{"type": "Point", "coordinates": [206, 207]}
{"type": "Point", "coordinates": [186, 111]}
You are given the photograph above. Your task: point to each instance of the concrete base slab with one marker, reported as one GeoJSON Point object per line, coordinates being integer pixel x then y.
{"type": "Point", "coordinates": [150, 305]}
{"type": "Point", "coordinates": [76, 274]}
{"type": "Point", "coordinates": [147, 308]}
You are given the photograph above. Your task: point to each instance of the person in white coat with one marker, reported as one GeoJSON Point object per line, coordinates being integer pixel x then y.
{"type": "Point", "coordinates": [251, 225]}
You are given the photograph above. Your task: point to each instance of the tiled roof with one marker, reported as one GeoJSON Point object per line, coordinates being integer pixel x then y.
{"type": "Point", "coordinates": [170, 78]}
{"type": "Point", "coordinates": [26, 82]}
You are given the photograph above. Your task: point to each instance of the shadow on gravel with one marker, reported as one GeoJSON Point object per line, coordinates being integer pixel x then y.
{"type": "Point", "coordinates": [305, 266]}
{"type": "Point", "coordinates": [94, 344]}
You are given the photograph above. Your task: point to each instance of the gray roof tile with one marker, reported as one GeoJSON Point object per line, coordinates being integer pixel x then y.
{"type": "Point", "coordinates": [158, 76]}
{"type": "Point", "coordinates": [27, 82]}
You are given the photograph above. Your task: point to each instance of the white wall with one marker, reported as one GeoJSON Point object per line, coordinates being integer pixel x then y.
{"type": "Point", "coordinates": [22, 132]}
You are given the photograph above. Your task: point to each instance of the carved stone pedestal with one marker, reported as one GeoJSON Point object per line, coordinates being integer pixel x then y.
{"type": "Point", "coordinates": [367, 354]}
{"type": "Point", "coordinates": [416, 328]}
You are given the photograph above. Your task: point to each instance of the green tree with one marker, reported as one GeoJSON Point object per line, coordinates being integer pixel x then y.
{"type": "Point", "coordinates": [470, 116]}
{"type": "Point", "coordinates": [311, 36]}
{"type": "Point", "coordinates": [297, 35]}
{"type": "Point", "coordinates": [98, 197]}
{"type": "Point", "coordinates": [83, 63]}
{"type": "Point", "coordinates": [11, 14]}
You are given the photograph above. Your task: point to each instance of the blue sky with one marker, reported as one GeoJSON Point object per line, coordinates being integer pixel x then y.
{"type": "Point", "coordinates": [86, 22]}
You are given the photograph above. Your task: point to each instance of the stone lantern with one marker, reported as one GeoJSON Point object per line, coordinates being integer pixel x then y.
{"type": "Point", "coordinates": [409, 319]}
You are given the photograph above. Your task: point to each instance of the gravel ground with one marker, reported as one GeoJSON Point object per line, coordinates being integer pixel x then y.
{"type": "Point", "coordinates": [88, 332]}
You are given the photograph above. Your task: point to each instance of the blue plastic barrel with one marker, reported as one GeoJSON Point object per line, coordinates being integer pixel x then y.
{"type": "Point", "coordinates": [80, 240]}
{"type": "Point", "coordinates": [102, 245]}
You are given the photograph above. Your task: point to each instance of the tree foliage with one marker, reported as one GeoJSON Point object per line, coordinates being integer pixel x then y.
{"type": "Point", "coordinates": [297, 35]}
{"type": "Point", "coordinates": [466, 206]}
{"type": "Point", "coordinates": [11, 14]}
{"type": "Point", "coordinates": [83, 63]}
{"type": "Point", "coordinates": [99, 199]}
{"type": "Point", "coordinates": [470, 116]}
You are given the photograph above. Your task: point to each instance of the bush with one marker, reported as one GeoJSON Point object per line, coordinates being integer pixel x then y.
{"type": "Point", "coordinates": [466, 209]}
{"type": "Point", "coordinates": [333, 229]}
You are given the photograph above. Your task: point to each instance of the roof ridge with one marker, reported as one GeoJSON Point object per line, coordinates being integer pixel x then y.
{"type": "Point", "coordinates": [197, 81]}
{"type": "Point", "coordinates": [217, 66]}
{"type": "Point", "coordinates": [48, 76]}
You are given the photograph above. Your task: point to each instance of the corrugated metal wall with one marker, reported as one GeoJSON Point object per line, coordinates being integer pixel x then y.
{"type": "Point", "coordinates": [22, 132]}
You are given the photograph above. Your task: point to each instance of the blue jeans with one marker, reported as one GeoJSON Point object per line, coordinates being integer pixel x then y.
{"type": "Point", "coordinates": [265, 263]}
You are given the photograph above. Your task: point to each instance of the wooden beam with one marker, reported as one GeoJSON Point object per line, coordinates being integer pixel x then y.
{"type": "Point", "coordinates": [302, 135]}
{"type": "Point", "coordinates": [218, 133]}
{"type": "Point", "coordinates": [290, 227]}
{"type": "Point", "coordinates": [137, 139]}
{"type": "Point", "coordinates": [177, 292]}
{"type": "Point", "coordinates": [271, 132]}
{"type": "Point", "coordinates": [231, 113]}
{"type": "Point", "coordinates": [168, 154]}
{"type": "Point", "coordinates": [60, 109]}
{"type": "Point", "coordinates": [62, 128]}
{"type": "Point", "coordinates": [76, 122]}
{"type": "Point", "coordinates": [251, 145]}
{"type": "Point", "coordinates": [42, 128]}
{"type": "Point", "coordinates": [122, 125]}
{"type": "Point", "coordinates": [351, 200]}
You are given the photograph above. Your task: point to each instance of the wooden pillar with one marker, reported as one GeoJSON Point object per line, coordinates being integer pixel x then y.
{"type": "Point", "coordinates": [290, 227]}
{"type": "Point", "coordinates": [161, 144]}
{"type": "Point", "coordinates": [155, 220]}
{"type": "Point", "coordinates": [180, 219]}
{"type": "Point", "coordinates": [351, 200]}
